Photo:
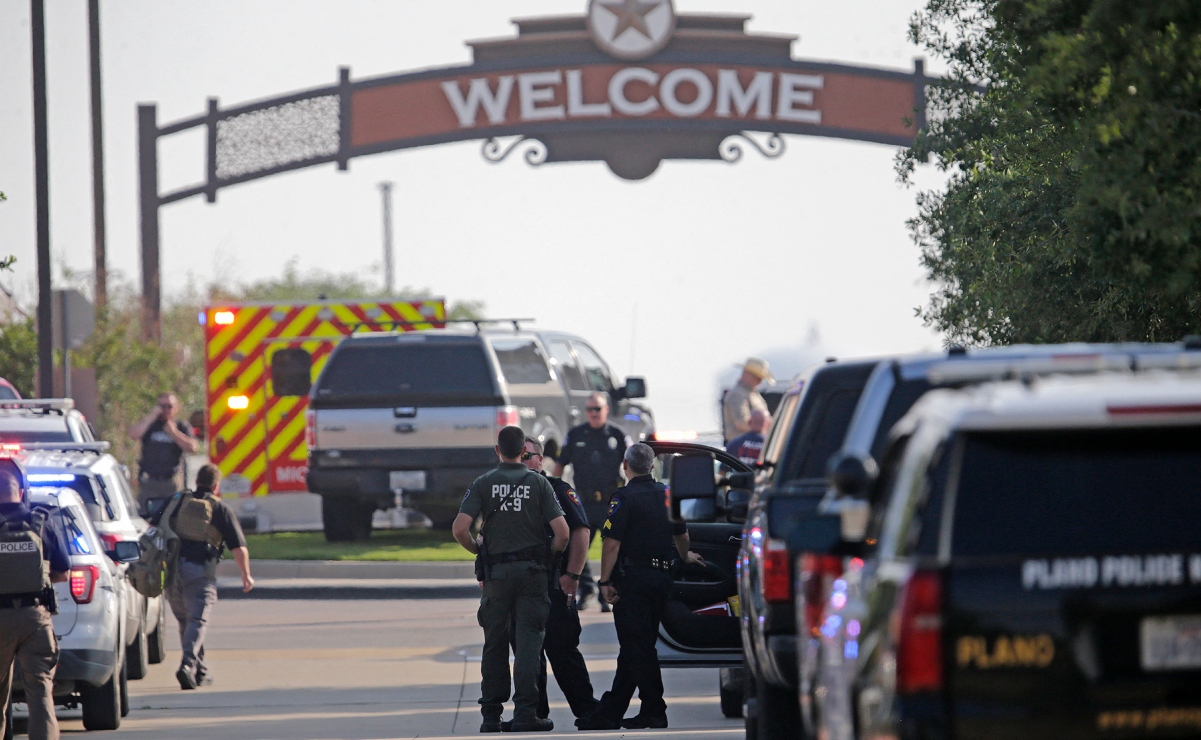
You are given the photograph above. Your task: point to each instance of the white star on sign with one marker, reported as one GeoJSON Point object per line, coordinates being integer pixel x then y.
{"type": "Point", "coordinates": [630, 14]}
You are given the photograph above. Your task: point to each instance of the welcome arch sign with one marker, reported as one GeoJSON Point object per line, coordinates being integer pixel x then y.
{"type": "Point", "coordinates": [630, 83]}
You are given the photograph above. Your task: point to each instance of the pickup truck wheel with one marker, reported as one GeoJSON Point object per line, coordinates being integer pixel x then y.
{"type": "Point", "coordinates": [731, 702]}
{"type": "Point", "coordinates": [156, 641]}
{"type": "Point", "coordinates": [750, 709]}
{"type": "Point", "coordinates": [102, 704]}
{"type": "Point", "coordinates": [346, 519]}
{"type": "Point", "coordinates": [778, 714]}
{"type": "Point", "coordinates": [137, 658]}
{"type": "Point", "coordinates": [125, 688]}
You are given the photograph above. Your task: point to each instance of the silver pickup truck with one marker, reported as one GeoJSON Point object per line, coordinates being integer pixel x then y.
{"type": "Point", "coordinates": [416, 414]}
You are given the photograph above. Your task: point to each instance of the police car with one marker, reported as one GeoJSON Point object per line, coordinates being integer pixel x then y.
{"type": "Point", "coordinates": [89, 625]}
{"type": "Point", "coordinates": [102, 485]}
{"type": "Point", "coordinates": [43, 420]}
{"type": "Point", "coordinates": [1034, 569]}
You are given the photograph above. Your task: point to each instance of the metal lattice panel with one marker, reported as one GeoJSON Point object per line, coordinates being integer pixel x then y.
{"type": "Point", "coordinates": [273, 137]}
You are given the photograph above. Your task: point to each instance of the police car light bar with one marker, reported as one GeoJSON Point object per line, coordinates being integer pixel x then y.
{"type": "Point", "coordinates": [51, 477]}
{"type": "Point", "coordinates": [45, 404]}
{"type": "Point", "coordinates": [96, 447]}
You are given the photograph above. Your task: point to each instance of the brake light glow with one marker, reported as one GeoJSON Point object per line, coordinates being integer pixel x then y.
{"type": "Point", "coordinates": [310, 428]}
{"type": "Point", "coordinates": [9, 449]}
{"type": "Point", "coordinates": [777, 573]}
{"type": "Point", "coordinates": [919, 644]}
{"type": "Point", "coordinates": [816, 572]}
{"type": "Point", "coordinates": [507, 416]}
{"type": "Point", "coordinates": [83, 583]}
{"type": "Point", "coordinates": [238, 403]}
{"type": "Point", "coordinates": [223, 318]}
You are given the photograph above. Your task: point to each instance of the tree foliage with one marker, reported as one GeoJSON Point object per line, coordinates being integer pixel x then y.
{"type": "Point", "coordinates": [1071, 131]}
{"type": "Point", "coordinates": [18, 355]}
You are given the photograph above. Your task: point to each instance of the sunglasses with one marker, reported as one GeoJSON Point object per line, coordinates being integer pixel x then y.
{"type": "Point", "coordinates": [593, 409]}
{"type": "Point", "coordinates": [530, 455]}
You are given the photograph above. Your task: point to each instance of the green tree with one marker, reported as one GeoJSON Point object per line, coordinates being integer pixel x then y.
{"type": "Point", "coordinates": [1071, 134]}
{"type": "Point", "coordinates": [18, 355]}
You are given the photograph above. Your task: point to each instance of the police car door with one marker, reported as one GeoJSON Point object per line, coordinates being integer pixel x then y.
{"type": "Point", "coordinates": [701, 623]}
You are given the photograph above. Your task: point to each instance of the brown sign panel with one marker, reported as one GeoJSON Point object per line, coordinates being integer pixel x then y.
{"type": "Point", "coordinates": [459, 104]}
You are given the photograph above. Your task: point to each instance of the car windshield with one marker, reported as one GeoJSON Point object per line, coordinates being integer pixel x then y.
{"type": "Point", "coordinates": [416, 371]}
{"type": "Point", "coordinates": [1079, 492]}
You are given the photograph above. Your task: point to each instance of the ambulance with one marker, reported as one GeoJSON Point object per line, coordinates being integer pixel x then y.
{"type": "Point", "coordinates": [261, 360]}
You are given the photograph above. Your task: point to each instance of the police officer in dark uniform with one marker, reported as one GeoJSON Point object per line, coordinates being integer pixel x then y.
{"type": "Point", "coordinates": [561, 646]}
{"type": "Point", "coordinates": [512, 564]}
{"type": "Point", "coordinates": [33, 556]}
{"type": "Point", "coordinates": [594, 451]}
{"type": "Point", "coordinates": [640, 544]}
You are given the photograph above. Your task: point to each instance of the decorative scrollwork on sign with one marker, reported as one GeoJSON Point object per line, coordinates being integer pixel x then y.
{"type": "Point", "coordinates": [285, 134]}
{"type": "Point", "coordinates": [496, 151]}
{"type": "Point", "coordinates": [731, 148]}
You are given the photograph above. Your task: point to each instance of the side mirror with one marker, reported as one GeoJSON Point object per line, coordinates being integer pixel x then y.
{"type": "Point", "coordinates": [692, 479]}
{"type": "Point", "coordinates": [634, 388]}
{"type": "Point", "coordinates": [853, 474]}
{"type": "Point", "coordinates": [125, 552]}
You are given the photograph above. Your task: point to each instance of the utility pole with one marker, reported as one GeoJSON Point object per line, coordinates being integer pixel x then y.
{"type": "Point", "coordinates": [97, 156]}
{"type": "Point", "coordinates": [41, 176]}
{"type": "Point", "coordinates": [385, 189]}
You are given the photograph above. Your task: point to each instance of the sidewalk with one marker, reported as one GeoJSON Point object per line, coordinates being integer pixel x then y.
{"type": "Point", "coordinates": [349, 580]}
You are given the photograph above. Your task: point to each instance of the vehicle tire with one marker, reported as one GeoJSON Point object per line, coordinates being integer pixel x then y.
{"type": "Point", "coordinates": [156, 641]}
{"type": "Point", "coordinates": [102, 704]}
{"type": "Point", "coordinates": [362, 513]}
{"type": "Point", "coordinates": [731, 702]}
{"type": "Point", "coordinates": [750, 708]}
{"type": "Point", "coordinates": [125, 688]}
{"type": "Point", "coordinates": [335, 519]}
{"type": "Point", "coordinates": [137, 656]}
{"type": "Point", "coordinates": [778, 712]}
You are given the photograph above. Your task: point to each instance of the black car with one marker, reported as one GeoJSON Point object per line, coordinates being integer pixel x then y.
{"type": "Point", "coordinates": [791, 480]}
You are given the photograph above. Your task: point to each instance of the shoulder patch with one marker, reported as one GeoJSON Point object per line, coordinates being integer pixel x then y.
{"type": "Point", "coordinates": [571, 495]}
{"type": "Point", "coordinates": [614, 505]}
{"type": "Point", "coordinates": [465, 495]}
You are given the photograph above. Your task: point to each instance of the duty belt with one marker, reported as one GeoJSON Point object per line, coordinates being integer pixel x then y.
{"type": "Point", "coordinates": [653, 563]}
{"type": "Point", "coordinates": [530, 554]}
{"type": "Point", "coordinates": [19, 602]}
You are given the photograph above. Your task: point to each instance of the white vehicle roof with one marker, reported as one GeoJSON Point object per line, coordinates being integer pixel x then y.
{"type": "Point", "coordinates": [1096, 401]}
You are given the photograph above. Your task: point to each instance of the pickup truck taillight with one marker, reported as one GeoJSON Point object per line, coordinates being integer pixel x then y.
{"type": "Point", "coordinates": [777, 573]}
{"type": "Point", "coordinates": [919, 640]}
{"type": "Point", "coordinates": [82, 579]}
{"type": "Point", "coordinates": [507, 416]}
{"type": "Point", "coordinates": [816, 572]}
{"type": "Point", "coordinates": [310, 429]}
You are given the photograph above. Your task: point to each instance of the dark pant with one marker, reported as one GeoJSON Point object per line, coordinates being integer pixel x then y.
{"type": "Point", "coordinates": [636, 615]}
{"type": "Point", "coordinates": [192, 595]}
{"type": "Point", "coordinates": [561, 647]}
{"type": "Point", "coordinates": [516, 594]}
{"type": "Point", "coordinates": [597, 513]}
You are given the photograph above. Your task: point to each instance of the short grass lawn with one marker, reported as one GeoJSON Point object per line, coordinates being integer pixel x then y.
{"type": "Point", "coordinates": [396, 545]}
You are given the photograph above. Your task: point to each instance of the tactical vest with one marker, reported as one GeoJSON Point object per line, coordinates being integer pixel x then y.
{"type": "Point", "coordinates": [24, 570]}
{"type": "Point", "coordinates": [194, 521]}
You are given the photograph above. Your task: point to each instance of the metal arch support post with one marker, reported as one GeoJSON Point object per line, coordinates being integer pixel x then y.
{"type": "Point", "coordinates": [149, 201]}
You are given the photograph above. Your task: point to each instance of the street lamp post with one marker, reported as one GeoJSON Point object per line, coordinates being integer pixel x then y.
{"type": "Point", "coordinates": [41, 175]}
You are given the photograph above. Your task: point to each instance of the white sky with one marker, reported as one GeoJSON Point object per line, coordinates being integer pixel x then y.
{"type": "Point", "coordinates": [720, 260]}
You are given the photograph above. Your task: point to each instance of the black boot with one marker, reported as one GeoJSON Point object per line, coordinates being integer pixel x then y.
{"type": "Point", "coordinates": [536, 724]}
{"type": "Point", "coordinates": [491, 722]}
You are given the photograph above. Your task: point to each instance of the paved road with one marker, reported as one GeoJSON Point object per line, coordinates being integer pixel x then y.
{"type": "Point", "coordinates": [368, 669]}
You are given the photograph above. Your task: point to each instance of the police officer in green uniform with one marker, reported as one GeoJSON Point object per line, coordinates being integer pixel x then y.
{"type": "Point", "coordinates": [640, 544]}
{"type": "Point", "coordinates": [205, 525]}
{"type": "Point", "coordinates": [513, 558]}
{"type": "Point", "coordinates": [33, 556]}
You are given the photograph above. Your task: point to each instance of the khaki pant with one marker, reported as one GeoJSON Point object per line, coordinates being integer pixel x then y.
{"type": "Point", "coordinates": [27, 636]}
{"type": "Point", "coordinates": [157, 488]}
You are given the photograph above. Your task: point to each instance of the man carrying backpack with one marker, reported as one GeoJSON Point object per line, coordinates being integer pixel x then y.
{"type": "Point", "coordinates": [33, 556]}
{"type": "Point", "coordinates": [205, 526]}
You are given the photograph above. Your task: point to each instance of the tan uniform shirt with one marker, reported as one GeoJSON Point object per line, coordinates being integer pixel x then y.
{"type": "Point", "coordinates": [736, 409]}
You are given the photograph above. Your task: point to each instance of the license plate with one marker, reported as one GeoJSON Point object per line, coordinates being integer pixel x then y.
{"type": "Point", "coordinates": [407, 480]}
{"type": "Point", "coordinates": [1171, 643]}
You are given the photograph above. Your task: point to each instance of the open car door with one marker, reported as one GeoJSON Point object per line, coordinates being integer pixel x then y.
{"type": "Point", "coordinates": [701, 624]}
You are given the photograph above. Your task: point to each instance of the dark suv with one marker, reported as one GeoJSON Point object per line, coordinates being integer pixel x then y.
{"type": "Point", "coordinates": [416, 414]}
{"type": "Point", "coordinates": [809, 427]}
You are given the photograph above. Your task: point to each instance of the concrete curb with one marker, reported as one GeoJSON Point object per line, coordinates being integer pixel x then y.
{"type": "Point", "coordinates": [348, 589]}
{"type": "Point", "coordinates": [349, 569]}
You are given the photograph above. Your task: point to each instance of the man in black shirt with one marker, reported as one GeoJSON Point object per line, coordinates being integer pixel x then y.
{"type": "Point", "coordinates": [640, 544]}
{"type": "Point", "coordinates": [594, 451]}
{"type": "Point", "coordinates": [205, 526]}
{"type": "Point", "coordinates": [164, 440]}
